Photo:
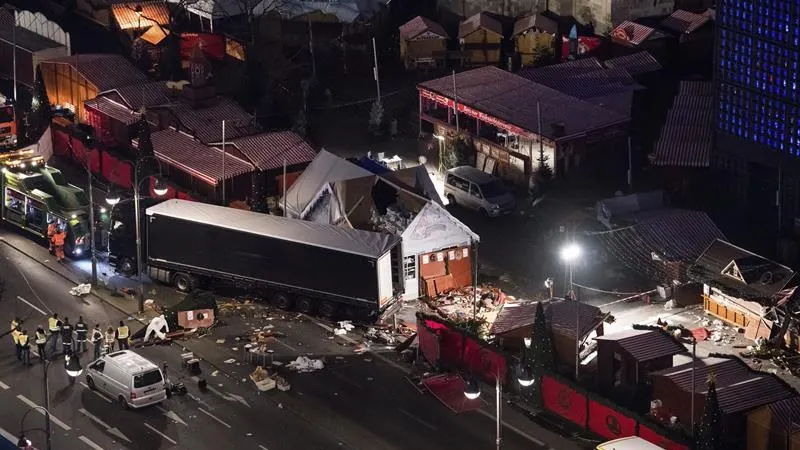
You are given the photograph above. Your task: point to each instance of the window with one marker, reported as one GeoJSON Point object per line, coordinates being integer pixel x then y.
{"type": "Point", "coordinates": [473, 190]}
{"type": "Point", "coordinates": [456, 182]}
{"type": "Point", "coordinates": [147, 379]}
{"type": "Point", "coordinates": [410, 268]}
{"type": "Point", "coordinates": [98, 366]}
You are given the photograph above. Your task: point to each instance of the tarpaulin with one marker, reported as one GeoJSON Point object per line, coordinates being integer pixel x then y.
{"type": "Point", "coordinates": [608, 422]}
{"type": "Point", "coordinates": [428, 342]}
{"type": "Point", "coordinates": [449, 389]}
{"type": "Point", "coordinates": [650, 435]}
{"type": "Point", "coordinates": [564, 400]}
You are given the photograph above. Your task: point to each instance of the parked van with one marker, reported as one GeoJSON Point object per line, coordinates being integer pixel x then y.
{"type": "Point", "coordinates": [477, 190]}
{"type": "Point", "coordinates": [129, 378]}
{"type": "Point", "coordinates": [628, 443]}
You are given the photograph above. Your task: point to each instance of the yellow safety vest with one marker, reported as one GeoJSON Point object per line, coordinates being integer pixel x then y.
{"type": "Point", "coordinates": [52, 324]}
{"type": "Point", "coordinates": [41, 338]}
{"type": "Point", "coordinates": [122, 333]}
{"type": "Point", "coordinates": [15, 336]}
{"type": "Point", "coordinates": [23, 340]}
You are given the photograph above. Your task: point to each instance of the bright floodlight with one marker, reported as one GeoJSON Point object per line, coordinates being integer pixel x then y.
{"type": "Point", "coordinates": [571, 252]}
{"type": "Point", "coordinates": [525, 377]}
{"type": "Point", "coordinates": [161, 188]}
{"type": "Point", "coordinates": [472, 390]}
{"type": "Point", "coordinates": [112, 198]}
{"type": "Point", "coordinates": [527, 342]}
{"type": "Point", "coordinates": [74, 368]}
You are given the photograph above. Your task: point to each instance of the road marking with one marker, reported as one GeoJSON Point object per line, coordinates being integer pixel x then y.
{"type": "Point", "coordinates": [160, 433]}
{"type": "Point", "coordinates": [4, 386]}
{"type": "Point", "coordinates": [417, 419]}
{"type": "Point", "coordinates": [31, 305]}
{"type": "Point", "coordinates": [171, 415]}
{"type": "Point", "coordinates": [285, 345]}
{"type": "Point", "coordinates": [262, 447]}
{"type": "Point", "coordinates": [109, 429]}
{"type": "Point", "coordinates": [213, 417]}
{"type": "Point", "coordinates": [96, 393]}
{"type": "Point", "coordinates": [200, 400]}
{"type": "Point", "coordinates": [41, 410]}
{"type": "Point", "coordinates": [90, 443]}
{"type": "Point", "coordinates": [514, 429]}
{"type": "Point", "coordinates": [11, 438]}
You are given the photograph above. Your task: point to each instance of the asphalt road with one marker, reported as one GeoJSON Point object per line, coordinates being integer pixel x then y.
{"type": "Point", "coordinates": [356, 402]}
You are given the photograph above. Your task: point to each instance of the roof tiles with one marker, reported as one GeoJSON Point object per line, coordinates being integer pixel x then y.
{"type": "Point", "coordinates": [684, 21]}
{"type": "Point", "coordinates": [535, 22]}
{"type": "Point", "coordinates": [206, 122]}
{"type": "Point", "coordinates": [479, 21]}
{"type": "Point", "coordinates": [683, 143]}
{"type": "Point", "coordinates": [128, 18]}
{"type": "Point", "coordinates": [113, 110]}
{"type": "Point", "coordinates": [645, 345]}
{"type": "Point", "coordinates": [635, 64]}
{"type": "Point", "coordinates": [104, 71]}
{"type": "Point", "coordinates": [185, 153]}
{"type": "Point", "coordinates": [419, 25]}
{"type": "Point", "coordinates": [632, 33]}
{"type": "Point", "coordinates": [269, 151]}
{"type": "Point", "coordinates": [558, 312]}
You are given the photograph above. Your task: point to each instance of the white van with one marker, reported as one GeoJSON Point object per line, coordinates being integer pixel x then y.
{"type": "Point", "coordinates": [477, 190]}
{"type": "Point", "coordinates": [129, 378]}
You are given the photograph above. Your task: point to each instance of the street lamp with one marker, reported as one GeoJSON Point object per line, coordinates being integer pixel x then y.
{"type": "Point", "coordinates": [569, 254]}
{"type": "Point", "coordinates": [160, 189]}
{"type": "Point", "coordinates": [73, 369]}
{"type": "Point", "coordinates": [525, 377]}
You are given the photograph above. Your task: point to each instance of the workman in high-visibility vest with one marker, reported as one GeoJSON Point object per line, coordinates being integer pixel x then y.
{"type": "Point", "coordinates": [25, 348]}
{"type": "Point", "coordinates": [58, 242]}
{"type": "Point", "coordinates": [54, 327]}
{"type": "Point", "coordinates": [40, 339]}
{"type": "Point", "coordinates": [66, 336]}
{"type": "Point", "coordinates": [15, 334]}
{"type": "Point", "coordinates": [97, 340]}
{"type": "Point", "coordinates": [123, 333]}
{"type": "Point", "coordinates": [80, 335]}
{"type": "Point", "coordinates": [52, 228]}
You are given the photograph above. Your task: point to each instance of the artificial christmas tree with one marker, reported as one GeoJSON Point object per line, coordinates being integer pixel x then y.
{"type": "Point", "coordinates": [258, 203]}
{"type": "Point", "coordinates": [540, 356]}
{"type": "Point", "coordinates": [145, 155]}
{"type": "Point", "coordinates": [709, 432]}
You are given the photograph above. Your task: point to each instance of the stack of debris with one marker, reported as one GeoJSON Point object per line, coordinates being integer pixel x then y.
{"type": "Point", "coordinates": [262, 337]}
{"type": "Point", "coordinates": [305, 364]}
{"type": "Point", "coordinates": [262, 379]}
{"type": "Point", "coordinates": [460, 304]}
{"type": "Point", "coordinates": [394, 222]}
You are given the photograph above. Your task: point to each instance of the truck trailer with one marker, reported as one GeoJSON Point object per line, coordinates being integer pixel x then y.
{"type": "Point", "coordinates": [312, 267]}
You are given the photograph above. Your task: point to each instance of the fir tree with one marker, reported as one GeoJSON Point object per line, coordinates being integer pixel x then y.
{"type": "Point", "coordinates": [41, 113]}
{"type": "Point", "coordinates": [376, 118]}
{"type": "Point", "coordinates": [541, 355]}
{"type": "Point", "coordinates": [258, 202]}
{"type": "Point", "coordinates": [144, 152]}
{"type": "Point", "coordinates": [709, 431]}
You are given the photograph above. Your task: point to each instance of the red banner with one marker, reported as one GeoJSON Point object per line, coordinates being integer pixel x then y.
{"type": "Point", "coordinates": [117, 173]}
{"type": "Point", "coordinates": [428, 342]}
{"type": "Point", "coordinates": [484, 362]}
{"type": "Point", "coordinates": [213, 45]}
{"type": "Point", "coordinates": [648, 434]}
{"type": "Point", "coordinates": [60, 143]}
{"type": "Point", "coordinates": [608, 422]}
{"type": "Point", "coordinates": [564, 401]}
{"type": "Point", "coordinates": [94, 160]}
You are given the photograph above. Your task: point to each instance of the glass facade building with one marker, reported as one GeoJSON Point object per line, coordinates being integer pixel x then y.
{"type": "Point", "coordinates": [758, 53]}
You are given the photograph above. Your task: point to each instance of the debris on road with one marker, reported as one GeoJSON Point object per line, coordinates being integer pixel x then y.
{"type": "Point", "coordinates": [305, 364]}
{"type": "Point", "coordinates": [262, 380]}
{"type": "Point", "coordinates": [345, 326]}
{"type": "Point", "coordinates": [229, 361]}
{"type": "Point", "coordinates": [220, 341]}
{"type": "Point", "coordinates": [81, 290]}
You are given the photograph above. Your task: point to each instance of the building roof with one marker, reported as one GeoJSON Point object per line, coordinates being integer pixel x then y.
{"type": "Point", "coordinates": [631, 33]}
{"type": "Point", "coordinates": [268, 151]}
{"type": "Point", "coordinates": [325, 168]}
{"type": "Point", "coordinates": [685, 22]}
{"type": "Point", "coordinates": [645, 345]}
{"type": "Point", "coordinates": [786, 413]}
{"type": "Point", "coordinates": [136, 96]}
{"type": "Point", "coordinates": [740, 273]}
{"type": "Point", "coordinates": [479, 21]}
{"type": "Point", "coordinates": [205, 123]}
{"type": "Point", "coordinates": [739, 388]}
{"type": "Point", "coordinates": [537, 22]}
{"type": "Point", "coordinates": [418, 178]}
{"type": "Point", "coordinates": [104, 71]}
{"type": "Point", "coordinates": [347, 240]}
{"type": "Point", "coordinates": [513, 99]}
{"type": "Point", "coordinates": [635, 64]}
{"type": "Point", "coordinates": [26, 39]}
{"type": "Point", "coordinates": [420, 25]}
{"type": "Point", "coordinates": [345, 11]}
{"type": "Point", "coordinates": [559, 313]}
{"type": "Point", "coordinates": [153, 13]}
{"type": "Point", "coordinates": [686, 137]}
{"type": "Point", "coordinates": [113, 110]}
{"type": "Point", "coordinates": [181, 151]}
{"type": "Point", "coordinates": [154, 35]}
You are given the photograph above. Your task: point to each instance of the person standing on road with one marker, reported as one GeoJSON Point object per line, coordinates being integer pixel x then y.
{"type": "Point", "coordinates": [15, 334]}
{"type": "Point", "coordinates": [111, 337]}
{"type": "Point", "coordinates": [122, 335]}
{"type": "Point", "coordinates": [66, 336]}
{"type": "Point", "coordinates": [52, 228]}
{"type": "Point", "coordinates": [41, 340]}
{"type": "Point", "coordinates": [54, 327]}
{"type": "Point", "coordinates": [97, 340]}
{"type": "Point", "coordinates": [25, 348]}
{"type": "Point", "coordinates": [80, 335]}
{"type": "Point", "coordinates": [58, 241]}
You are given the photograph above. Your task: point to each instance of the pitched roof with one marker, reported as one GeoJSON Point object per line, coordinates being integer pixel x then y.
{"type": "Point", "coordinates": [113, 109]}
{"type": "Point", "coordinates": [135, 96]}
{"type": "Point", "coordinates": [513, 99]}
{"type": "Point", "coordinates": [153, 13]}
{"type": "Point", "coordinates": [478, 21]}
{"type": "Point", "coordinates": [739, 388]}
{"type": "Point", "coordinates": [685, 22]}
{"type": "Point", "coordinates": [635, 64]}
{"type": "Point", "coordinates": [739, 272]}
{"type": "Point", "coordinates": [268, 151]}
{"type": "Point", "coordinates": [206, 122]}
{"type": "Point", "coordinates": [686, 136]}
{"type": "Point", "coordinates": [645, 345]}
{"type": "Point", "coordinates": [631, 33]}
{"type": "Point", "coordinates": [185, 153]}
{"type": "Point", "coordinates": [104, 71]}
{"type": "Point", "coordinates": [535, 21]}
{"type": "Point", "coordinates": [786, 413]}
{"type": "Point", "coordinates": [26, 39]}
{"type": "Point", "coordinates": [154, 35]}
{"type": "Point", "coordinates": [559, 313]}
{"type": "Point", "coordinates": [419, 25]}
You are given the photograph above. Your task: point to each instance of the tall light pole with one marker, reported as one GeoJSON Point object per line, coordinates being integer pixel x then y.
{"type": "Point", "coordinates": [159, 189]}
{"type": "Point", "coordinates": [570, 254]}
{"type": "Point", "coordinates": [88, 166]}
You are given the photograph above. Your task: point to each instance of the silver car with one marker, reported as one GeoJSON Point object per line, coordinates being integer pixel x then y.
{"type": "Point", "coordinates": [477, 190]}
{"type": "Point", "coordinates": [128, 378]}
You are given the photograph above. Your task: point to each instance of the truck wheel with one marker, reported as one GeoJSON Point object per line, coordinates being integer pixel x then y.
{"type": "Point", "coordinates": [282, 301]}
{"type": "Point", "coordinates": [328, 310]}
{"type": "Point", "coordinates": [305, 305]}
{"type": "Point", "coordinates": [126, 267]}
{"type": "Point", "coordinates": [183, 282]}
